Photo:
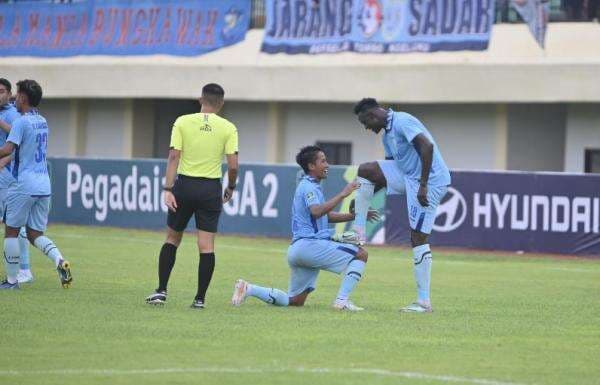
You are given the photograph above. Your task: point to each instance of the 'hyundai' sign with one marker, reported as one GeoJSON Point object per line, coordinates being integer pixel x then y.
{"type": "Point", "coordinates": [535, 212]}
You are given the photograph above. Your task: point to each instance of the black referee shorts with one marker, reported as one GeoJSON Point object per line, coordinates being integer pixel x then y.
{"type": "Point", "coordinates": [200, 197]}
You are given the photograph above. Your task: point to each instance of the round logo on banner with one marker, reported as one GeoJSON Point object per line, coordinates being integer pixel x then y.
{"type": "Point", "coordinates": [451, 213]}
{"type": "Point", "coordinates": [232, 26]}
{"type": "Point", "coordinates": [370, 17]}
{"type": "Point", "coordinates": [392, 22]}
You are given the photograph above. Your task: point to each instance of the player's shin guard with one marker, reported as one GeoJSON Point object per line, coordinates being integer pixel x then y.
{"type": "Point", "coordinates": [269, 295]}
{"type": "Point", "coordinates": [166, 261]}
{"type": "Point", "coordinates": [206, 267]}
{"type": "Point", "coordinates": [24, 247]}
{"type": "Point", "coordinates": [11, 259]}
{"type": "Point", "coordinates": [48, 247]}
{"type": "Point", "coordinates": [361, 205]}
{"type": "Point", "coordinates": [353, 274]}
{"type": "Point", "coordinates": [422, 261]}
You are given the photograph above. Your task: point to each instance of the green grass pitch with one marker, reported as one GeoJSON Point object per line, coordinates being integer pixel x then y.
{"type": "Point", "coordinates": [497, 320]}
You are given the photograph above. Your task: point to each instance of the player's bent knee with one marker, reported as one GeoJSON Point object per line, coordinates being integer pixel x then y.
{"type": "Point", "coordinates": [32, 234]}
{"type": "Point", "coordinates": [418, 238]}
{"type": "Point", "coordinates": [297, 300]}
{"type": "Point", "coordinates": [368, 171]}
{"type": "Point", "coordinates": [362, 254]}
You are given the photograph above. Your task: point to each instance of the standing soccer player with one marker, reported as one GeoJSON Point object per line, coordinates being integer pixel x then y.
{"type": "Point", "coordinates": [413, 165]}
{"type": "Point", "coordinates": [28, 198]}
{"type": "Point", "coordinates": [198, 143]}
{"type": "Point", "coordinates": [8, 113]}
{"type": "Point", "coordinates": [312, 249]}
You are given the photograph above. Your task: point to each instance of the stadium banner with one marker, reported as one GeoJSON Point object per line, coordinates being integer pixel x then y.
{"type": "Point", "coordinates": [377, 26]}
{"type": "Point", "coordinates": [528, 212]}
{"type": "Point", "coordinates": [128, 193]}
{"type": "Point", "coordinates": [122, 27]}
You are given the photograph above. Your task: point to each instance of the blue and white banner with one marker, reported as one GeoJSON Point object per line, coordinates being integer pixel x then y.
{"type": "Point", "coordinates": [122, 27]}
{"type": "Point", "coordinates": [377, 26]}
{"type": "Point", "coordinates": [536, 14]}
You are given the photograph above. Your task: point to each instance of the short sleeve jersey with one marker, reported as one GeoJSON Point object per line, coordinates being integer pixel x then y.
{"type": "Point", "coordinates": [29, 133]}
{"type": "Point", "coordinates": [308, 193]}
{"type": "Point", "coordinates": [203, 140]}
{"type": "Point", "coordinates": [397, 139]}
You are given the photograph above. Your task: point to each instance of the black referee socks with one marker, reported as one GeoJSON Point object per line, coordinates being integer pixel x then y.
{"type": "Point", "coordinates": [166, 261]}
{"type": "Point", "coordinates": [206, 266]}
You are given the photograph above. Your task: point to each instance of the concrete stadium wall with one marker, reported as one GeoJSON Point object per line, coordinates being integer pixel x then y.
{"type": "Point", "coordinates": [583, 132]}
{"type": "Point", "coordinates": [532, 137]}
{"type": "Point", "coordinates": [536, 137]}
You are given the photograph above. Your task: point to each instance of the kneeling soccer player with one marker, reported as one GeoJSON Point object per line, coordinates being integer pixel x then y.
{"type": "Point", "coordinates": [312, 249]}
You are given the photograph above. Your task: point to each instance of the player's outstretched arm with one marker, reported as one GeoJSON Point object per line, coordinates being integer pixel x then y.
{"type": "Point", "coordinates": [7, 149]}
{"type": "Point", "coordinates": [317, 211]}
{"type": "Point", "coordinates": [424, 148]}
{"type": "Point", "coordinates": [4, 126]}
{"type": "Point", "coordinates": [340, 217]}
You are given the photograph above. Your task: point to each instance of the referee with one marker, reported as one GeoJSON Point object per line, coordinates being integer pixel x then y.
{"type": "Point", "coordinates": [198, 143]}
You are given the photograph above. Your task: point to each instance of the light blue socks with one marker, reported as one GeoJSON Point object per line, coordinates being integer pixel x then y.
{"type": "Point", "coordinates": [269, 295]}
{"type": "Point", "coordinates": [48, 247]}
{"type": "Point", "coordinates": [361, 205]}
{"type": "Point", "coordinates": [11, 259]}
{"type": "Point", "coordinates": [24, 246]}
{"type": "Point", "coordinates": [353, 274]}
{"type": "Point", "coordinates": [422, 261]}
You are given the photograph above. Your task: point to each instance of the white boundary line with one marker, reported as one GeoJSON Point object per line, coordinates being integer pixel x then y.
{"type": "Point", "coordinates": [224, 370]}
{"type": "Point", "coordinates": [282, 250]}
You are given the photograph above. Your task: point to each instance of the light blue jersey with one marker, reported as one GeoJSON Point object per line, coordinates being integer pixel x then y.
{"type": "Point", "coordinates": [308, 193]}
{"type": "Point", "coordinates": [30, 135]}
{"type": "Point", "coordinates": [8, 114]}
{"type": "Point", "coordinates": [401, 129]}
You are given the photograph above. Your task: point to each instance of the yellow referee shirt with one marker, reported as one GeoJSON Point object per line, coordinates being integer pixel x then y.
{"type": "Point", "coordinates": [203, 139]}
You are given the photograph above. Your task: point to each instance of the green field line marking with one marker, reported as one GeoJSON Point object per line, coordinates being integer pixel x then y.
{"type": "Point", "coordinates": [224, 370]}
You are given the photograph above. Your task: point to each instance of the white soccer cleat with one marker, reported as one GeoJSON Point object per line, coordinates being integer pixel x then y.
{"type": "Point", "coordinates": [346, 305]}
{"type": "Point", "coordinates": [239, 292]}
{"type": "Point", "coordinates": [24, 276]}
{"type": "Point", "coordinates": [351, 237]}
{"type": "Point", "coordinates": [417, 307]}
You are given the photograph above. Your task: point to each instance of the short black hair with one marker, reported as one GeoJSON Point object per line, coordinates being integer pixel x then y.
{"type": "Point", "coordinates": [32, 89]}
{"type": "Point", "coordinates": [6, 84]}
{"type": "Point", "coordinates": [365, 104]}
{"type": "Point", "coordinates": [213, 93]}
{"type": "Point", "coordinates": [307, 155]}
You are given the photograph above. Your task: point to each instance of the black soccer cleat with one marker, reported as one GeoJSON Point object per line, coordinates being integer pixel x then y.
{"type": "Point", "coordinates": [197, 304]}
{"type": "Point", "coordinates": [157, 298]}
{"type": "Point", "coordinates": [64, 273]}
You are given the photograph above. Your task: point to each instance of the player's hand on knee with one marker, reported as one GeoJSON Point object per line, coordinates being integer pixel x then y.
{"type": "Point", "coordinates": [373, 216]}
{"type": "Point", "coordinates": [170, 201]}
{"type": "Point", "coordinates": [350, 187]}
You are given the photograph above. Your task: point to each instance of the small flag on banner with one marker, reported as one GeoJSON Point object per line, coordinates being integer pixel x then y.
{"type": "Point", "coordinates": [535, 14]}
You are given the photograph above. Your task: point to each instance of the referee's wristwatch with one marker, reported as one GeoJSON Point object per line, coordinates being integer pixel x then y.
{"type": "Point", "coordinates": [230, 187]}
{"type": "Point", "coordinates": [169, 189]}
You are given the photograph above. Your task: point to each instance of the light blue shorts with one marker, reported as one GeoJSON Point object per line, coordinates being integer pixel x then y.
{"type": "Point", "coordinates": [26, 210]}
{"type": "Point", "coordinates": [394, 178]}
{"type": "Point", "coordinates": [421, 218]}
{"type": "Point", "coordinates": [307, 257]}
